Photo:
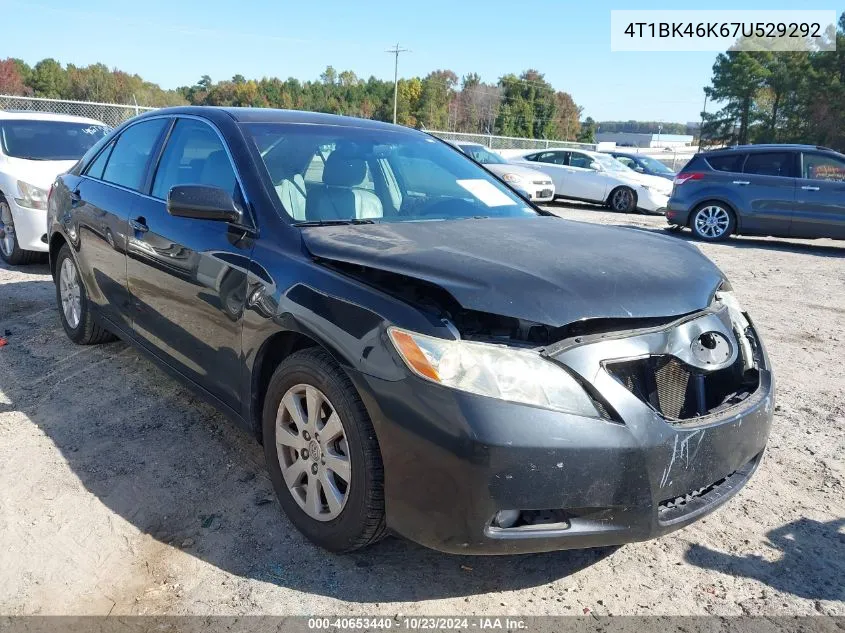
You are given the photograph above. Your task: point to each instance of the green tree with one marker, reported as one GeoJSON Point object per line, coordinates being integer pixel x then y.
{"type": "Point", "coordinates": [588, 131]}
{"type": "Point", "coordinates": [49, 79]}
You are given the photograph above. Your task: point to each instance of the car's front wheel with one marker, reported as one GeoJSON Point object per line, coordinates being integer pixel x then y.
{"type": "Point", "coordinates": [623, 200]}
{"type": "Point", "coordinates": [712, 221]}
{"type": "Point", "coordinates": [322, 454]}
{"type": "Point", "coordinates": [10, 250]}
{"type": "Point", "coordinates": [74, 305]}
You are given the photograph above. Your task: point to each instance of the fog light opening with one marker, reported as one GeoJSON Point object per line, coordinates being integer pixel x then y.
{"type": "Point", "coordinates": [506, 518]}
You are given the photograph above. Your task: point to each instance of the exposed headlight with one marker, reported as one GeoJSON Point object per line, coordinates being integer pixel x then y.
{"type": "Point", "coordinates": [31, 196]}
{"type": "Point", "coordinates": [738, 320]}
{"type": "Point", "coordinates": [512, 178]}
{"type": "Point", "coordinates": [496, 371]}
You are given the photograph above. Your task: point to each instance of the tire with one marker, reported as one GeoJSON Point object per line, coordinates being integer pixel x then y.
{"type": "Point", "coordinates": [712, 221]}
{"type": "Point", "coordinates": [358, 519]}
{"type": "Point", "coordinates": [622, 200]}
{"type": "Point", "coordinates": [10, 251]}
{"type": "Point", "coordinates": [77, 320]}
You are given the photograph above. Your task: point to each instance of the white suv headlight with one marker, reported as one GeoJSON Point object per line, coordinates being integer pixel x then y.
{"type": "Point", "coordinates": [31, 196]}
{"type": "Point", "coordinates": [512, 178]}
{"type": "Point", "coordinates": [496, 371]}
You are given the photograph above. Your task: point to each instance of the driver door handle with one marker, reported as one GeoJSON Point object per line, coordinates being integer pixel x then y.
{"type": "Point", "coordinates": [139, 225]}
{"type": "Point", "coordinates": [742, 183]}
{"type": "Point", "coordinates": [809, 188]}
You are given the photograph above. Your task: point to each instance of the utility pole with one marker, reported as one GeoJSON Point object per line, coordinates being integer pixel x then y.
{"type": "Point", "coordinates": [701, 127]}
{"type": "Point", "coordinates": [395, 51]}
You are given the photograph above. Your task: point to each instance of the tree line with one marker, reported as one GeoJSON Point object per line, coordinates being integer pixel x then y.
{"type": "Point", "coordinates": [516, 105]}
{"type": "Point", "coordinates": [765, 96]}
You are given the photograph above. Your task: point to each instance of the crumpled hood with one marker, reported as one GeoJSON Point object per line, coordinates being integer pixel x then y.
{"type": "Point", "coordinates": [544, 269]}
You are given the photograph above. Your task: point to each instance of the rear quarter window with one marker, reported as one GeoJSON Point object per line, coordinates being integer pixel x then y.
{"type": "Point", "coordinates": [726, 162]}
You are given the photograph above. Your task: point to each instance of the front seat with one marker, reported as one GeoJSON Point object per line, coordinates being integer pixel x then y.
{"type": "Point", "coordinates": [292, 193]}
{"type": "Point", "coordinates": [341, 196]}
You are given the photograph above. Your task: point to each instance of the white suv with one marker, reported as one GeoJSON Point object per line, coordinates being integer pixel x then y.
{"type": "Point", "coordinates": [35, 147]}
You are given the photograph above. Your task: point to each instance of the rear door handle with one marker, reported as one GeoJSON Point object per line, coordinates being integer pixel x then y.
{"type": "Point", "coordinates": [742, 183]}
{"type": "Point", "coordinates": [139, 225]}
{"type": "Point", "coordinates": [809, 188]}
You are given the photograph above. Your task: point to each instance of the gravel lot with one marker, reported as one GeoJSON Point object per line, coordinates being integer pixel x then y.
{"type": "Point", "coordinates": [121, 493]}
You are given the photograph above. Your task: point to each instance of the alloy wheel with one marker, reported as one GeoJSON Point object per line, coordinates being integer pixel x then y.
{"type": "Point", "coordinates": [70, 293]}
{"type": "Point", "coordinates": [313, 452]}
{"type": "Point", "coordinates": [623, 199]}
{"type": "Point", "coordinates": [712, 221]}
{"type": "Point", "coordinates": [7, 230]}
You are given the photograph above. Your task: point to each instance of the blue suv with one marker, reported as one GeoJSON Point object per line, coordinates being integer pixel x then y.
{"type": "Point", "coordinates": [779, 190]}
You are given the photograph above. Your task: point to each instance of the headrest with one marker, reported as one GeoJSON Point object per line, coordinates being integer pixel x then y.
{"type": "Point", "coordinates": [344, 171]}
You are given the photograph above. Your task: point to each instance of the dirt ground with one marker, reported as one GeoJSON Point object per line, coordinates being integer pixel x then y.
{"type": "Point", "coordinates": [121, 493]}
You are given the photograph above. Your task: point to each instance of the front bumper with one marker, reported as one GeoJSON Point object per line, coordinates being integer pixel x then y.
{"type": "Point", "coordinates": [30, 226]}
{"type": "Point", "coordinates": [453, 460]}
{"type": "Point", "coordinates": [537, 192]}
{"type": "Point", "coordinates": [651, 201]}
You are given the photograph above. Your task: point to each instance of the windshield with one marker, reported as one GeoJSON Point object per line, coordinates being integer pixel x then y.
{"type": "Point", "coordinates": [331, 174]}
{"type": "Point", "coordinates": [610, 163]}
{"type": "Point", "coordinates": [48, 140]}
{"type": "Point", "coordinates": [482, 154]}
{"type": "Point", "coordinates": [654, 165]}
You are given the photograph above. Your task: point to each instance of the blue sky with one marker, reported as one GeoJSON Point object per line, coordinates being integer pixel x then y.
{"type": "Point", "coordinates": [175, 42]}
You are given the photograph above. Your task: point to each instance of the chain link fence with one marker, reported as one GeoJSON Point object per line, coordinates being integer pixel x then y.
{"type": "Point", "coordinates": [112, 114]}
{"type": "Point", "coordinates": [495, 142]}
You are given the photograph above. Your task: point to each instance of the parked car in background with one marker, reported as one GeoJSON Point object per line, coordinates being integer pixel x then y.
{"type": "Point", "coordinates": [419, 349]}
{"type": "Point", "coordinates": [779, 190]}
{"type": "Point", "coordinates": [596, 177]}
{"type": "Point", "coordinates": [644, 164]}
{"type": "Point", "coordinates": [537, 187]}
{"type": "Point", "coordinates": [34, 148]}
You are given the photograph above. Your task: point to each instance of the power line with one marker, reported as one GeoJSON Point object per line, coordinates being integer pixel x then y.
{"type": "Point", "coordinates": [395, 51]}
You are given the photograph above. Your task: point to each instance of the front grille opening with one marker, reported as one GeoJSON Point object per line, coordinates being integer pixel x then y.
{"type": "Point", "coordinates": [681, 392]}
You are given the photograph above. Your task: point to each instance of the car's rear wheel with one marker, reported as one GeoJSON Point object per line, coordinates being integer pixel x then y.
{"type": "Point", "coordinates": [10, 251]}
{"type": "Point", "coordinates": [74, 306]}
{"type": "Point", "coordinates": [623, 200]}
{"type": "Point", "coordinates": [712, 221]}
{"type": "Point", "coordinates": [322, 453]}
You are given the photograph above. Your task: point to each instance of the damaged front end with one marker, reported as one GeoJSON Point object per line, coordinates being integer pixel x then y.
{"type": "Point", "coordinates": [594, 432]}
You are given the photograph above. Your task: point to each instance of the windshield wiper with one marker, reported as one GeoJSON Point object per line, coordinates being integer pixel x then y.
{"type": "Point", "coordinates": [334, 222]}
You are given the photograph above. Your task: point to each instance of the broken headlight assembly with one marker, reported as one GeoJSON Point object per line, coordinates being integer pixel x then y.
{"type": "Point", "coordinates": [495, 371]}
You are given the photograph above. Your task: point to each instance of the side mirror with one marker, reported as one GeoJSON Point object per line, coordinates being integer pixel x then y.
{"type": "Point", "coordinates": [596, 166]}
{"type": "Point", "coordinates": [640, 169]}
{"type": "Point", "coordinates": [201, 202]}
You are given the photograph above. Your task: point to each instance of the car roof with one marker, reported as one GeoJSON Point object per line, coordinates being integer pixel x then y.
{"type": "Point", "coordinates": [29, 115]}
{"type": "Point", "coordinates": [273, 115]}
{"type": "Point", "coordinates": [769, 147]}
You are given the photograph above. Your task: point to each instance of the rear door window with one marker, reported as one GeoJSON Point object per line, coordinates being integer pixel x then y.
{"type": "Point", "coordinates": [770, 164]}
{"type": "Point", "coordinates": [726, 162]}
{"type": "Point", "coordinates": [128, 162]}
{"type": "Point", "coordinates": [95, 169]}
{"type": "Point", "coordinates": [823, 167]}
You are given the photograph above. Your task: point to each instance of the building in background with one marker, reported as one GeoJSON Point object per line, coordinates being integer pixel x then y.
{"type": "Point", "coordinates": [632, 139]}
